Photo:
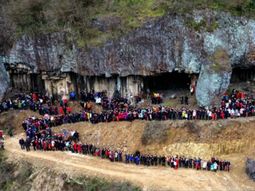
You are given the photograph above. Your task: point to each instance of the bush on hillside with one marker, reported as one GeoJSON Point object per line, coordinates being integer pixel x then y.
{"type": "Point", "coordinates": [89, 184]}
{"type": "Point", "coordinates": [155, 132]}
{"type": "Point", "coordinates": [13, 176]}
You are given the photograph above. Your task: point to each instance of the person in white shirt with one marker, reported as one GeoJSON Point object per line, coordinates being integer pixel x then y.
{"type": "Point", "coordinates": [194, 114]}
{"type": "Point", "coordinates": [98, 100]}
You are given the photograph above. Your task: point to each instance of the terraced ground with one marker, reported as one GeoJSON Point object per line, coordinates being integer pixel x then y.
{"type": "Point", "coordinates": [233, 140]}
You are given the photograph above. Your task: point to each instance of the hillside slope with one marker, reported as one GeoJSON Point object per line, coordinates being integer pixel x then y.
{"type": "Point", "coordinates": [149, 178]}
{"type": "Point", "coordinates": [232, 140]}
{"type": "Point", "coordinates": [195, 138]}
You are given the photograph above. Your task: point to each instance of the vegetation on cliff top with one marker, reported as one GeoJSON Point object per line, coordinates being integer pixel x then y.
{"type": "Point", "coordinates": [220, 61]}
{"type": "Point", "coordinates": [93, 22]}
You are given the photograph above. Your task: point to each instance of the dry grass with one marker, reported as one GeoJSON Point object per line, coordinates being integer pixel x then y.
{"type": "Point", "coordinates": [155, 133]}
{"type": "Point", "coordinates": [11, 121]}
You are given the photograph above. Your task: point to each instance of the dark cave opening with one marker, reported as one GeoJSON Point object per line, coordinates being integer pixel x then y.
{"type": "Point", "coordinates": [168, 81]}
{"type": "Point", "coordinates": [243, 74]}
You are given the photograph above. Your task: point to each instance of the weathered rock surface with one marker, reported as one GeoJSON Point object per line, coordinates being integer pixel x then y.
{"type": "Point", "coordinates": [211, 86]}
{"type": "Point", "coordinates": [250, 168]}
{"type": "Point", "coordinates": [44, 53]}
{"type": "Point", "coordinates": [4, 80]}
{"type": "Point", "coordinates": [174, 42]}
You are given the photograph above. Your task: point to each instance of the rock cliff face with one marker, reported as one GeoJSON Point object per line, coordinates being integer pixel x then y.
{"type": "Point", "coordinates": [174, 42]}
{"type": "Point", "coordinates": [210, 86]}
{"type": "Point", "coordinates": [4, 80]}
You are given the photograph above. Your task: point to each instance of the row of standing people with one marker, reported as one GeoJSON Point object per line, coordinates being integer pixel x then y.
{"type": "Point", "coordinates": [57, 143]}
{"type": "Point", "coordinates": [178, 162]}
{"type": "Point", "coordinates": [237, 104]}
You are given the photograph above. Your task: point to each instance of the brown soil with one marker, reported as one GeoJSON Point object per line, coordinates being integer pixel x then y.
{"type": "Point", "coordinates": [13, 120]}
{"type": "Point", "coordinates": [149, 178]}
{"type": "Point", "coordinates": [232, 140]}
{"type": "Point", "coordinates": [199, 138]}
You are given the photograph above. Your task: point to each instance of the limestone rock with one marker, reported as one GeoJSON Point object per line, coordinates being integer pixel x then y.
{"type": "Point", "coordinates": [250, 168]}
{"type": "Point", "coordinates": [4, 80]}
{"type": "Point", "coordinates": [214, 78]}
{"type": "Point", "coordinates": [168, 44]}
{"type": "Point", "coordinates": [211, 86]}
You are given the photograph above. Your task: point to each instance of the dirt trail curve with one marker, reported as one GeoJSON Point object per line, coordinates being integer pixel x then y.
{"type": "Point", "coordinates": [149, 178]}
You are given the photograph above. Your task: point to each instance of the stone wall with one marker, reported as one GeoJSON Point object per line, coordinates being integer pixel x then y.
{"type": "Point", "coordinates": [68, 82]}
{"type": "Point", "coordinates": [58, 85]}
{"type": "Point", "coordinates": [19, 76]}
{"type": "Point", "coordinates": [23, 79]}
{"type": "Point", "coordinates": [127, 86]}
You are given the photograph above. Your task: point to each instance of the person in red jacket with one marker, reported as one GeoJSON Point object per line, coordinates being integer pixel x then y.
{"type": "Point", "coordinates": [107, 153]}
{"type": "Point", "coordinates": [44, 145]}
{"type": "Point", "coordinates": [35, 97]}
{"type": "Point", "coordinates": [49, 147]}
{"type": "Point", "coordinates": [61, 111]}
{"type": "Point", "coordinates": [37, 144]}
{"type": "Point", "coordinates": [65, 102]}
{"type": "Point", "coordinates": [79, 149]}
{"type": "Point", "coordinates": [69, 110]}
{"type": "Point", "coordinates": [75, 147]}
{"type": "Point", "coordinates": [222, 115]}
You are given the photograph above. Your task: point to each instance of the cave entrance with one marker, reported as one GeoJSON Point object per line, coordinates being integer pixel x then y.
{"type": "Point", "coordinates": [169, 81]}
{"type": "Point", "coordinates": [243, 74]}
{"type": "Point", "coordinates": [36, 83]}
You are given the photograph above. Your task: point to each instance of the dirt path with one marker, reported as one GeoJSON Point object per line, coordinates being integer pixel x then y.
{"type": "Point", "coordinates": [149, 178]}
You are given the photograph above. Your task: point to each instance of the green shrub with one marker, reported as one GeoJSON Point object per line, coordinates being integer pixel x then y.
{"type": "Point", "coordinates": [220, 61]}
{"type": "Point", "coordinates": [197, 26]}
{"type": "Point", "coordinates": [97, 184]}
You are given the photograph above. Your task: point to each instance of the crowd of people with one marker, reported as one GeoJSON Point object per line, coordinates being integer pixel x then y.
{"type": "Point", "coordinates": [56, 113]}
{"type": "Point", "coordinates": [39, 134]}
{"type": "Point", "coordinates": [36, 102]}
{"type": "Point", "coordinates": [237, 104]}
{"type": "Point", "coordinates": [178, 162]}
{"type": "Point", "coordinates": [45, 141]}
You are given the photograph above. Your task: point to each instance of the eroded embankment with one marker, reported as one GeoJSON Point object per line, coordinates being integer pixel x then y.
{"type": "Point", "coordinates": [148, 178]}
{"type": "Point", "coordinates": [24, 174]}
{"type": "Point", "coordinates": [230, 139]}
{"type": "Point", "coordinates": [189, 138]}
